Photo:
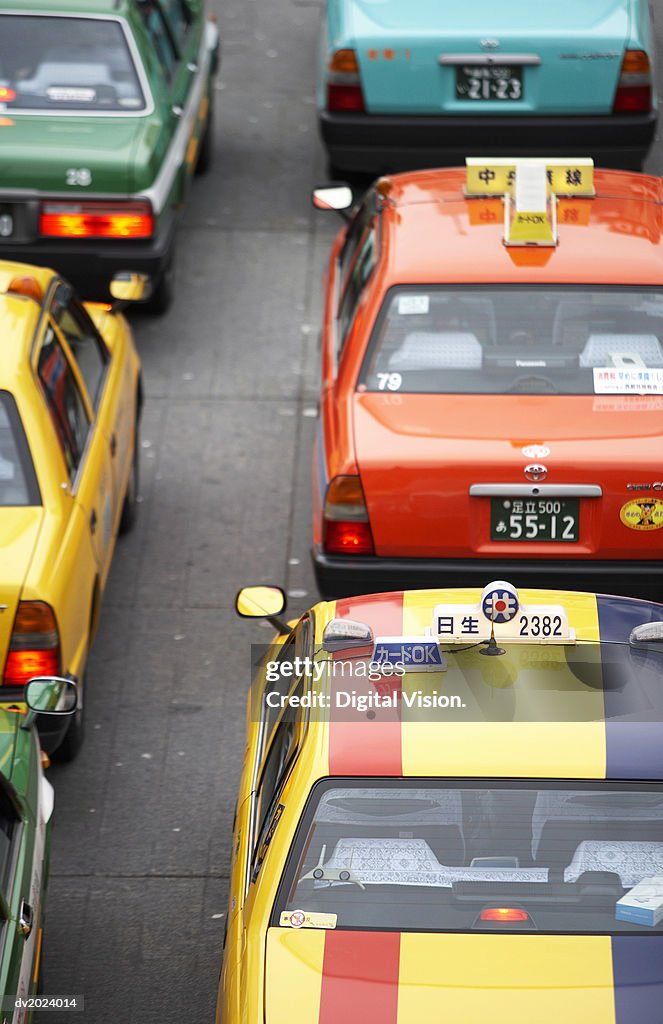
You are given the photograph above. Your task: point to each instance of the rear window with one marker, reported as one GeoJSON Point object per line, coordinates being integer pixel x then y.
{"type": "Point", "coordinates": [434, 855]}
{"type": "Point", "coordinates": [18, 483]}
{"type": "Point", "coordinates": [82, 64]}
{"type": "Point", "coordinates": [517, 341]}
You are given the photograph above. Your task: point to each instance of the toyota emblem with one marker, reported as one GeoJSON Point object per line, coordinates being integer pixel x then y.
{"type": "Point", "coordinates": [536, 472]}
{"type": "Point", "coordinates": [489, 44]}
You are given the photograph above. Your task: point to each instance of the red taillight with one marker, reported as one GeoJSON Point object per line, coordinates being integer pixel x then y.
{"type": "Point", "coordinates": [345, 526]}
{"type": "Point", "coordinates": [347, 538]}
{"type": "Point", "coordinates": [503, 914]}
{"type": "Point", "coordinates": [344, 92]}
{"type": "Point", "coordinates": [96, 220]}
{"type": "Point", "coordinates": [634, 88]}
{"type": "Point", "coordinates": [7, 95]}
{"type": "Point", "coordinates": [34, 647]}
{"type": "Point", "coordinates": [345, 98]}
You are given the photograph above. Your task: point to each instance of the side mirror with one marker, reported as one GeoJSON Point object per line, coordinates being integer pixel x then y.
{"type": "Point", "coordinates": [51, 695]}
{"type": "Point", "coordinates": [260, 602]}
{"type": "Point", "coordinates": [128, 286]}
{"type": "Point", "coordinates": [333, 197]}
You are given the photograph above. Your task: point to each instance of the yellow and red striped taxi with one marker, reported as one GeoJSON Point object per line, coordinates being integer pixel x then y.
{"type": "Point", "coordinates": [451, 809]}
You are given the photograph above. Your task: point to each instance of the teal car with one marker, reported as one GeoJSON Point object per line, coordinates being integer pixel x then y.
{"type": "Point", "coordinates": [405, 84]}
{"type": "Point", "coordinates": [26, 808]}
{"type": "Point", "coordinates": [106, 112]}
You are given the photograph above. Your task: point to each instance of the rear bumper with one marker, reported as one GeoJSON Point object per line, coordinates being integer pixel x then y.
{"type": "Point", "coordinates": [90, 264]}
{"type": "Point", "coordinates": [339, 576]}
{"type": "Point", "coordinates": [379, 143]}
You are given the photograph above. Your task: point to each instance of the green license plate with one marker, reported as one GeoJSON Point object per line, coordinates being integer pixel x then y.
{"type": "Point", "coordinates": [481, 82]}
{"type": "Point", "coordinates": [534, 519]}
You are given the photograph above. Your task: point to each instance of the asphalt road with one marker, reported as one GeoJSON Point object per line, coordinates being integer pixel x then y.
{"type": "Point", "coordinates": [140, 856]}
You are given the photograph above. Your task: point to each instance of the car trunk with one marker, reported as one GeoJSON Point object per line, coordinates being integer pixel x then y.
{"type": "Point", "coordinates": [39, 152]}
{"type": "Point", "coordinates": [413, 56]}
{"type": "Point", "coordinates": [419, 455]}
{"type": "Point", "coordinates": [410, 978]}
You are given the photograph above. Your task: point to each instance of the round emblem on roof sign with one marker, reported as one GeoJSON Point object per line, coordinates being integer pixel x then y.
{"type": "Point", "coordinates": [536, 472]}
{"type": "Point", "coordinates": [536, 451]}
{"type": "Point", "coordinates": [499, 601]}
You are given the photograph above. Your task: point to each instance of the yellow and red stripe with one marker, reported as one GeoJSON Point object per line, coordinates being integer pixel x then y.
{"type": "Point", "coordinates": [368, 746]}
{"type": "Point", "coordinates": [367, 977]}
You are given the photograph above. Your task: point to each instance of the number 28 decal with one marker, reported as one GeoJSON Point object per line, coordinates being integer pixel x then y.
{"type": "Point", "coordinates": [78, 176]}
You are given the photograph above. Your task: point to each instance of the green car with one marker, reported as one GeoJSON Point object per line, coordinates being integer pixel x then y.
{"type": "Point", "coordinates": [26, 807]}
{"type": "Point", "coordinates": [105, 114]}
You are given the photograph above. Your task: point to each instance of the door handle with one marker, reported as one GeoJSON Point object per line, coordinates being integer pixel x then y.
{"type": "Point", "coordinates": [25, 919]}
{"type": "Point", "coordinates": [177, 110]}
{"type": "Point", "coordinates": [192, 66]}
{"type": "Point", "coordinates": [93, 521]}
{"type": "Point", "coordinates": [113, 444]}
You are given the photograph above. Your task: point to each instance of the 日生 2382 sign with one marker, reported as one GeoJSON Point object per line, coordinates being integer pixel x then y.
{"type": "Point", "coordinates": [540, 624]}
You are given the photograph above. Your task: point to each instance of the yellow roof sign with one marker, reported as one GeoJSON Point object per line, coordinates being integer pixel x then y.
{"type": "Point", "coordinates": [491, 176]}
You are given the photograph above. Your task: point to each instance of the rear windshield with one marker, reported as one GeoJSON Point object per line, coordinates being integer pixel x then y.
{"type": "Point", "coordinates": [517, 341]}
{"type": "Point", "coordinates": [61, 63]}
{"type": "Point", "coordinates": [18, 483]}
{"type": "Point", "coordinates": [431, 855]}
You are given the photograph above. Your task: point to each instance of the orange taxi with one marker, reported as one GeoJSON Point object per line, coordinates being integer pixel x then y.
{"type": "Point", "coordinates": [492, 381]}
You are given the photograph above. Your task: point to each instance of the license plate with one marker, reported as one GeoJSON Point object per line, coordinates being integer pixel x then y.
{"type": "Point", "coordinates": [489, 82]}
{"type": "Point", "coordinates": [534, 519]}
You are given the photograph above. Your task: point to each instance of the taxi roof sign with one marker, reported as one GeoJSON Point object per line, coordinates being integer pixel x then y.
{"type": "Point", "coordinates": [495, 176]}
{"type": "Point", "coordinates": [530, 211]}
{"type": "Point", "coordinates": [500, 615]}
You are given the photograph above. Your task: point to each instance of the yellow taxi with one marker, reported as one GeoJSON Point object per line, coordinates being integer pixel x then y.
{"type": "Point", "coordinates": [70, 399]}
{"type": "Point", "coordinates": [451, 808]}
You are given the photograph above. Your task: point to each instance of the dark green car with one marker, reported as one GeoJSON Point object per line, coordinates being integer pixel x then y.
{"type": "Point", "coordinates": [26, 807]}
{"type": "Point", "coordinates": [105, 114]}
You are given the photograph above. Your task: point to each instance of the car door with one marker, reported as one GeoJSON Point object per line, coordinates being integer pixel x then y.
{"type": "Point", "coordinates": [172, 36]}
{"type": "Point", "coordinates": [109, 386]}
{"type": "Point", "coordinates": [85, 448]}
{"type": "Point", "coordinates": [192, 81]}
{"type": "Point", "coordinates": [21, 882]}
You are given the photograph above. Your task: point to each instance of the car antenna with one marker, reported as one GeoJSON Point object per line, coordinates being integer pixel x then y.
{"type": "Point", "coordinates": [491, 649]}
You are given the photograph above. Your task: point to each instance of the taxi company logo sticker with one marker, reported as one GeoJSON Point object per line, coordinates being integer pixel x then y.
{"type": "Point", "coordinates": [306, 919]}
{"type": "Point", "coordinates": [642, 515]}
{"type": "Point", "coordinates": [501, 603]}
{"type": "Point", "coordinates": [536, 451]}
